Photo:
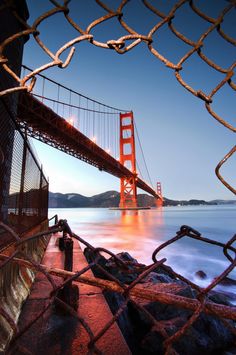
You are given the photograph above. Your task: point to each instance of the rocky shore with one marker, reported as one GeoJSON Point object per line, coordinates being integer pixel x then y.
{"type": "Point", "coordinates": [207, 335]}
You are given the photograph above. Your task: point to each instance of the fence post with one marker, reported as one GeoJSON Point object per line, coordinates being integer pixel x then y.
{"type": "Point", "coordinates": [68, 263]}
{"type": "Point", "coordinates": [22, 182]}
{"type": "Point", "coordinates": [40, 206]}
{"type": "Point", "coordinates": [70, 293]}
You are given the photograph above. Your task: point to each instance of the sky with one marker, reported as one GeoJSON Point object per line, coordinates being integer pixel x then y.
{"type": "Point", "coordinates": [181, 141]}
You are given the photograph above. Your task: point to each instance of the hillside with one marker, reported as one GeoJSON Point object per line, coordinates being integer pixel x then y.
{"type": "Point", "coordinates": [111, 199]}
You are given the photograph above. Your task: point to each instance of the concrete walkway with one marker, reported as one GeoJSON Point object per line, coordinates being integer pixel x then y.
{"type": "Point", "coordinates": [55, 333]}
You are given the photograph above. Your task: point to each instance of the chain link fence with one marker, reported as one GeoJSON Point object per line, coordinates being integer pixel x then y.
{"type": "Point", "coordinates": [23, 208]}
{"type": "Point", "coordinates": [198, 303]}
{"type": "Point", "coordinates": [24, 188]}
{"type": "Point", "coordinates": [28, 186]}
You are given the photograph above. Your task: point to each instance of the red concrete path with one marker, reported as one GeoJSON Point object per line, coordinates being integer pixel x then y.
{"type": "Point", "coordinates": [58, 334]}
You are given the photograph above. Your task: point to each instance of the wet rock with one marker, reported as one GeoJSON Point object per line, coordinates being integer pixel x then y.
{"type": "Point", "coordinates": [152, 343]}
{"type": "Point", "coordinates": [115, 301]}
{"type": "Point", "coordinates": [207, 335]}
{"type": "Point", "coordinates": [161, 311]}
{"type": "Point", "coordinates": [157, 278]}
{"type": "Point", "coordinates": [191, 343]}
{"type": "Point", "coordinates": [124, 274]}
{"type": "Point", "coordinates": [227, 281]}
{"type": "Point", "coordinates": [124, 256]}
{"type": "Point", "coordinates": [165, 270]}
{"type": "Point", "coordinates": [201, 275]}
{"type": "Point", "coordinates": [100, 260]}
{"type": "Point", "coordinates": [230, 351]}
{"type": "Point", "coordinates": [222, 298]}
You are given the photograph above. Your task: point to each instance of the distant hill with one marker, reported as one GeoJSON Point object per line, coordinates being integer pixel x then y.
{"type": "Point", "coordinates": [224, 202]}
{"type": "Point", "coordinates": [106, 199]}
{"type": "Point", "coordinates": [112, 198]}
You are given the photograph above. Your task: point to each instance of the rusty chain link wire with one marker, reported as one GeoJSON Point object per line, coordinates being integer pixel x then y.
{"type": "Point", "coordinates": [126, 43]}
{"type": "Point", "coordinates": [131, 293]}
{"type": "Point", "coordinates": [123, 45]}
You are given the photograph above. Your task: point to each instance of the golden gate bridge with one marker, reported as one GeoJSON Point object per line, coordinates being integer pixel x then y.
{"type": "Point", "coordinates": [98, 134]}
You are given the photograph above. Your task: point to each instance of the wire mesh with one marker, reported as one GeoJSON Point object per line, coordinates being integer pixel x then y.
{"type": "Point", "coordinates": [24, 188]}
{"type": "Point", "coordinates": [132, 292]}
{"type": "Point", "coordinates": [22, 199]}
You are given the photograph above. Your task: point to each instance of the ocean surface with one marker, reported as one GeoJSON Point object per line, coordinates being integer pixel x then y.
{"type": "Point", "coordinates": [140, 232]}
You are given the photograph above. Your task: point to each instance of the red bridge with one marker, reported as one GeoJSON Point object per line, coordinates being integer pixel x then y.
{"type": "Point", "coordinates": [48, 125]}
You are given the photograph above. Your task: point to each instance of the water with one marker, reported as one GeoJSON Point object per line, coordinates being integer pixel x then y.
{"type": "Point", "coordinates": [140, 232]}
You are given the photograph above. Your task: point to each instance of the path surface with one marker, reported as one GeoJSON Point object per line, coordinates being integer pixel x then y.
{"type": "Point", "coordinates": [63, 334]}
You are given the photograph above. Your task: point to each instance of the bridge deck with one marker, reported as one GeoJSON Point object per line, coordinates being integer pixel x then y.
{"type": "Point", "coordinates": [45, 125]}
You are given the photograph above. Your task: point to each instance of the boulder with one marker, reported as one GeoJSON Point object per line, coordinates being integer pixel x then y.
{"type": "Point", "coordinates": [227, 281]}
{"type": "Point", "coordinates": [100, 260]}
{"type": "Point", "coordinates": [207, 335]}
{"type": "Point", "coordinates": [201, 274]}
{"type": "Point", "coordinates": [125, 275]}
{"type": "Point", "coordinates": [154, 278]}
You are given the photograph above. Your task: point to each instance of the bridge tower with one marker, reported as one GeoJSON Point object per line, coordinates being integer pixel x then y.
{"type": "Point", "coordinates": [128, 189]}
{"type": "Point", "coordinates": [159, 191]}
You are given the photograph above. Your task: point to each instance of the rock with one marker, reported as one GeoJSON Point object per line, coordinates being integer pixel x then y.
{"type": "Point", "coordinates": [191, 343]}
{"type": "Point", "coordinates": [165, 270]}
{"type": "Point", "coordinates": [115, 301]}
{"type": "Point", "coordinates": [207, 335]}
{"type": "Point", "coordinates": [222, 297]}
{"type": "Point", "coordinates": [215, 329]}
{"type": "Point", "coordinates": [127, 257]}
{"type": "Point", "coordinates": [201, 275]}
{"type": "Point", "coordinates": [230, 351]}
{"type": "Point", "coordinates": [124, 275]}
{"type": "Point", "coordinates": [152, 343]}
{"type": "Point", "coordinates": [154, 278]}
{"type": "Point", "coordinates": [227, 281]}
{"type": "Point", "coordinates": [91, 257]}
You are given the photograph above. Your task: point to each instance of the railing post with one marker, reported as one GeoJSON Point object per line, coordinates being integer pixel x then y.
{"type": "Point", "coordinates": [68, 263]}
{"type": "Point", "coordinates": [70, 293]}
{"type": "Point", "coordinates": [22, 183]}
{"type": "Point", "coordinates": [40, 206]}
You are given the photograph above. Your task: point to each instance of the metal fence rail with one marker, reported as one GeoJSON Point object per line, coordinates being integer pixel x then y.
{"type": "Point", "coordinates": [197, 305]}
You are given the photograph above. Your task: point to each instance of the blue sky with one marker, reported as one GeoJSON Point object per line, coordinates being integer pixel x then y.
{"type": "Point", "coordinates": [182, 143]}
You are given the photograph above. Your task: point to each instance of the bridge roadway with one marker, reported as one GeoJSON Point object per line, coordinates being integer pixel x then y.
{"type": "Point", "coordinates": [42, 123]}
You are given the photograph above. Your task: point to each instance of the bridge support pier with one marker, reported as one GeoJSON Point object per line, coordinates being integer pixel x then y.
{"type": "Point", "coordinates": [128, 188]}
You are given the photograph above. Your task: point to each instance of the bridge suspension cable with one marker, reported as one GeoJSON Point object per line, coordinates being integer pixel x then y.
{"type": "Point", "coordinates": [98, 121]}
{"type": "Point", "coordinates": [142, 153]}
{"type": "Point", "coordinates": [71, 90]}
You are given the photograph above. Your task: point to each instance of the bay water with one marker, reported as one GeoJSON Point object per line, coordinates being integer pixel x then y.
{"type": "Point", "coordinates": [140, 232]}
